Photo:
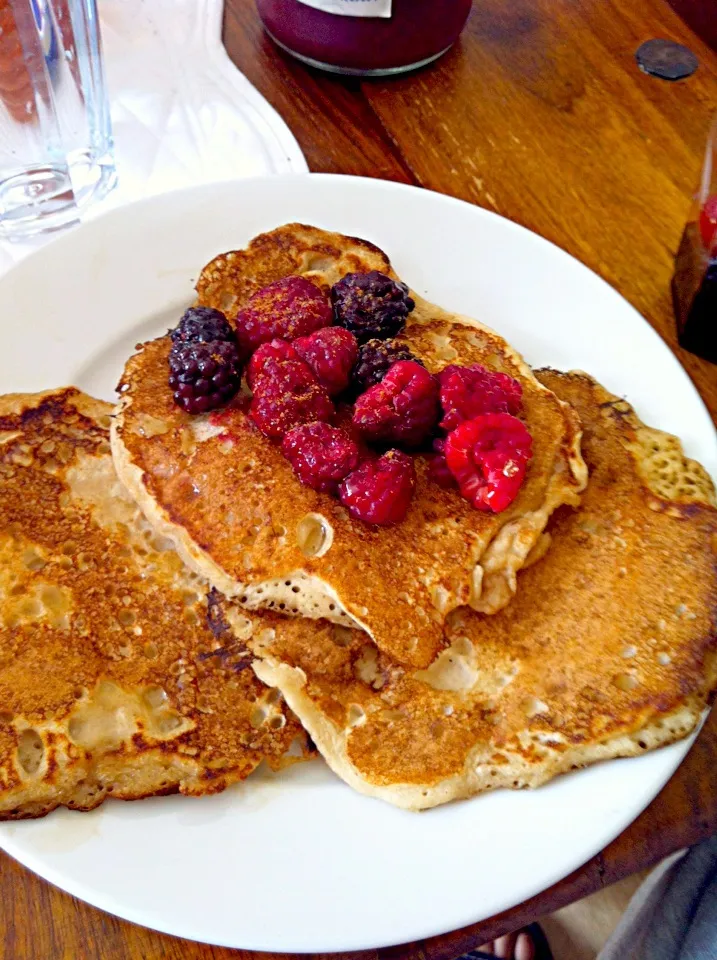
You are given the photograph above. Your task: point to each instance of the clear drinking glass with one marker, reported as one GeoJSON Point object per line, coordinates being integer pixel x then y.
{"type": "Point", "coordinates": [55, 134]}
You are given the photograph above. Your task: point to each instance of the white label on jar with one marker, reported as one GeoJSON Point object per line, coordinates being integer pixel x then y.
{"type": "Point", "coordinates": [352, 8]}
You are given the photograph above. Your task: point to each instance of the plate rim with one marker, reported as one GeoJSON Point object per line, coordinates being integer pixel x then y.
{"type": "Point", "coordinates": [678, 751]}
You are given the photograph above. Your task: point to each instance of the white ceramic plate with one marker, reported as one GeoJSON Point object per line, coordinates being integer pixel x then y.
{"type": "Point", "coordinates": [298, 862]}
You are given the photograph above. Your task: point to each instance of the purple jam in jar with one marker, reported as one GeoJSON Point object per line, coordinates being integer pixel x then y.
{"type": "Point", "coordinates": [365, 37]}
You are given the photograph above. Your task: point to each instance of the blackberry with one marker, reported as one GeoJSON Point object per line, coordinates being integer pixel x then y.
{"type": "Point", "coordinates": [371, 305]}
{"type": "Point", "coordinates": [203, 325]}
{"type": "Point", "coordinates": [203, 376]}
{"type": "Point", "coordinates": [375, 359]}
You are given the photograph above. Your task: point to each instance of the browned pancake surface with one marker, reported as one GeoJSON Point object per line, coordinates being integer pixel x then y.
{"type": "Point", "coordinates": [239, 514]}
{"type": "Point", "coordinates": [117, 676]}
{"type": "Point", "coordinates": [608, 648]}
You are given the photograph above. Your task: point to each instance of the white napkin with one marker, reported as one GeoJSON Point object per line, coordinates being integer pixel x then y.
{"type": "Point", "coordinates": [181, 111]}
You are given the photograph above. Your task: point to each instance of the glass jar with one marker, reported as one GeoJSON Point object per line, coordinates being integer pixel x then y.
{"type": "Point", "coordinates": [694, 283]}
{"type": "Point", "coordinates": [365, 37]}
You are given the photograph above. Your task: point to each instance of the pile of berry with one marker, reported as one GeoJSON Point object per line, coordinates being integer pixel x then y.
{"type": "Point", "coordinates": [304, 354]}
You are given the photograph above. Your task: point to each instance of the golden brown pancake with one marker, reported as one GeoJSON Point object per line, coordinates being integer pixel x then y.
{"type": "Point", "coordinates": [118, 674]}
{"type": "Point", "coordinates": [607, 650]}
{"type": "Point", "coordinates": [240, 517]}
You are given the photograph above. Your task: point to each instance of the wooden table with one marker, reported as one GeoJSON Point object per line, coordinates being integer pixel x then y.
{"type": "Point", "coordinates": [541, 114]}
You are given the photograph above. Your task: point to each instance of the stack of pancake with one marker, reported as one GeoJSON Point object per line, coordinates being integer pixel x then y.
{"type": "Point", "coordinates": [175, 607]}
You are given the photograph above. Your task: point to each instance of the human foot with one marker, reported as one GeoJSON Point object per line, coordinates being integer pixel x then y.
{"type": "Point", "coordinates": [526, 944]}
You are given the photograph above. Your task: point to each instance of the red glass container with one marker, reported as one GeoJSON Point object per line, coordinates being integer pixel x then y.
{"type": "Point", "coordinates": [365, 37]}
{"type": "Point", "coordinates": [694, 284]}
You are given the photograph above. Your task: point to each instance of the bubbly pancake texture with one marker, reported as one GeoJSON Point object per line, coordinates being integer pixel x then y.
{"type": "Point", "coordinates": [240, 517]}
{"type": "Point", "coordinates": [119, 674]}
{"type": "Point", "coordinates": [608, 649]}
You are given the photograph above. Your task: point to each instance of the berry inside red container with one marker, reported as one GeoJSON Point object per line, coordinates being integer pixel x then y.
{"type": "Point", "coordinates": [404, 34]}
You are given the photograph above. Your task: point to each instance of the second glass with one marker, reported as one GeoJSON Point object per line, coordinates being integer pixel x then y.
{"type": "Point", "coordinates": [56, 151]}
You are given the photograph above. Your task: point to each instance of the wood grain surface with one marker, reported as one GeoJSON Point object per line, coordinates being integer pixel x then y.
{"type": "Point", "coordinates": [541, 114]}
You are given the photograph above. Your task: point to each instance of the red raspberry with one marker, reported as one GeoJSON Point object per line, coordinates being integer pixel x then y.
{"type": "Point", "coordinates": [344, 412]}
{"type": "Point", "coordinates": [468, 392]}
{"type": "Point", "coordinates": [267, 360]}
{"type": "Point", "coordinates": [438, 467]}
{"type": "Point", "coordinates": [402, 408]}
{"type": "Point", "coordinates": [331, 353]}
{"type": "Point", "coordinates": [289, 308]}
{"type": "Point", "coordinates": [283, 403]}
{"type": "Point", "coordinates": [488, 456]}
{"type": "Point", "coordinates": [380, 491]}
{"type": "Point", "coordinates": [321, 455]}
